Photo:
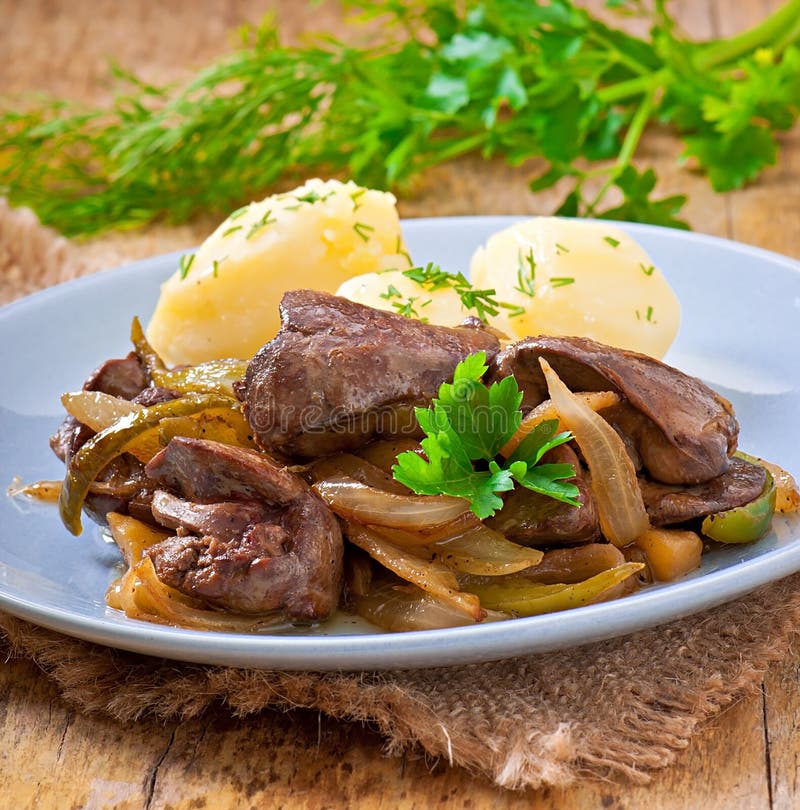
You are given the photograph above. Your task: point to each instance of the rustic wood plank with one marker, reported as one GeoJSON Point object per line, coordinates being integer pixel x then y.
{"type": "Point", "coordinates": [302, 760]}
{"type": "Point", "coordinates": [54, 757]}
{"type": "Point", "coordinates": [782, 719]}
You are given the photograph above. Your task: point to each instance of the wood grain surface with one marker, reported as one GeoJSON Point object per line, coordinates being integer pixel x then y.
{"type": "Point", "coordinates": [53, 757]}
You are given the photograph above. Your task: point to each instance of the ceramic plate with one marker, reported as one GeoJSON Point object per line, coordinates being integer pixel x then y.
{"type": "Point", "coordinates": [740, 332]}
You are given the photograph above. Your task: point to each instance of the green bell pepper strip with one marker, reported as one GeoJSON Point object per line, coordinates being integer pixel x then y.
{"type": "Point", "coordinates": [152, 363]}
{"type": "Point", "coordinates": [746, 523]}
{"type": "Point", "coordinates": [105, 446]}
{"type": "Point", "coordinates": [530, 599]}
{"type": "Point", "coordinates": [212, 377]}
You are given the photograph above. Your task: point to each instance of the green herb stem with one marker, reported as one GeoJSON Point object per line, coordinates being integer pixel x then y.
{"type": "Point", "coordinates": [629, 88]}
{"type": "Point", "coordinates": [774, 28]}
{"type": "Point", "coordinates": [463, 147]}
{"type": "Point", "coordinates": [629, 144]}
{"type": "Point", "coordinates": [620, 56]}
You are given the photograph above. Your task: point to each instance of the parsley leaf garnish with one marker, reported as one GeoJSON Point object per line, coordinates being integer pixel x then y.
{"type": "Point", "coordinates": [465, 427]}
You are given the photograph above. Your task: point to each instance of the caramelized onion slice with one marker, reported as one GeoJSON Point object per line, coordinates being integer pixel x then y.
{"type": "Point", "coordinates": [50, 491]}
{"type": "Point", "coordinates": [398, 608]}
{"type": "Point", "coordinates": [787, 497]}
{"type": "Point", "coordinates": [384, 452]}
{"type": "Point", "coordinates": [428, 534]}
{"type": "Point", "coordinates": [596, 400]}
{"type": "Point", "coordinates": [47, 491]}
{"type": "Point", "coordinates": [133, 536]}
{"type": "Point", "coordinates": [142, 595]}
{"type": "Point", "coordinates": [224, 425]}
{"type": "Point", "coordinates": [356, 501]}
{"type": "Point", "coordinates": [483, 551]}
{"type": "Point", "coordinates": [619, 500]}
{"type": "Point", "coordinates": [96, 409]}
{"type": "Point", "coordinates": [432, 577]}
{"type": "Point", "coordinates": [350, 466]}
{"type": "Point", "coordinates": [467, 547]}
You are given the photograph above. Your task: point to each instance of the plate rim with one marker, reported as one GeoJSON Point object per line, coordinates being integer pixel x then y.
{"type": "Point", "coordinates": [469, 644]}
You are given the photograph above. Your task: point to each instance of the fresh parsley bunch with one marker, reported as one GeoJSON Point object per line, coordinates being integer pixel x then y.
{"type": "Point", "coordinates": [514, 79]}
{"type": "Point", "coordinates": [466, 427]}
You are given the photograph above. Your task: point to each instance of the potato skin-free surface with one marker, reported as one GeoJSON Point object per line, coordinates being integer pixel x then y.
{"type": "Point", "coordinates": [316, 236]}
{"type": "Point", "coordinates": [584, 279]}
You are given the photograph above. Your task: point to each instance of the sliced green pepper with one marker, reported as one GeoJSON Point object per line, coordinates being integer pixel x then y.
{"type": "Point", "coordinates": [105, 446]}
{"type": "Point", "coordinates": [746, 523]}
{"type": "Point", "coordinates": [212, 377]}
{"type": "Point", "coordinates": [152, 363]}
{"type": "Point", "coordinates": [526, 598]}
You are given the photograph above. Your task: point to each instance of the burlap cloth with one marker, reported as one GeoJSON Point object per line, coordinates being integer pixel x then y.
{"type": "Point", "coordinates": [617, 709]}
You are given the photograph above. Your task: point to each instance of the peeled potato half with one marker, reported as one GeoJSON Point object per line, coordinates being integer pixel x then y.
{"type": "Point", "coordinates": [223, 301]}
{"type": "Point", "coordinates": [577, 278]}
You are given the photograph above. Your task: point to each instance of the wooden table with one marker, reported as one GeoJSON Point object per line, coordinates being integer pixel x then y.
{"type": "Point", "coordinates": [53, 757]}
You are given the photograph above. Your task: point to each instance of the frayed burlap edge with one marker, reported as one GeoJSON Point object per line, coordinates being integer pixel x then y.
{"type": "Point", "coordinates": [613, 710]}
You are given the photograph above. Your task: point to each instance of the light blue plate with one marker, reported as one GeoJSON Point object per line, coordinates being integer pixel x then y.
{"type": "Point", "coordinates": [740, 332]}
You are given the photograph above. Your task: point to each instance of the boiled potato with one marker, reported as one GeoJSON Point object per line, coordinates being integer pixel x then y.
{"type": "Point", "coordinates": [394, 292]}
{"type": "Point", "coordinates": [670, 553]}
{"type": "Point", "coordinates": [223, 302]}
{"type": "Point", "coordinates": [576, 278]}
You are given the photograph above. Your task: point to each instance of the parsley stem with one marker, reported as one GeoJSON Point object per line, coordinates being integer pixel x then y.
{"type": "Point", "coordinates": [619, 56]}
{"type": "Point", "coordinates": [787, 38]}
{"type": "Point", "coordinates": [631, 87]}
{"type": "Point", "coordinates": [628, 148]}
{"type": "Point", "coordinates": [770, 30]}
{"type": "Point", "coordinates": [635, 130]}
{"type": "Point", "coordinates": [455, 150]}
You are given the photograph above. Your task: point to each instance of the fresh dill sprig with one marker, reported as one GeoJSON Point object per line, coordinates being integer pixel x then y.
{"type": "Point", "coordinates": [267, 219]}
{"type": "Point", "coordinates": [391, 292]}
{"type": "Point", "coordinates": [526, 273]}
{"type": "Point", "coordinates": [483, 302]}
{"type": "Point", "coordinates": [444, 78]}
{"type": "Point", "coordinates": [363, 230]}
{"type": "Point", "coordinates": [185, 264]}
